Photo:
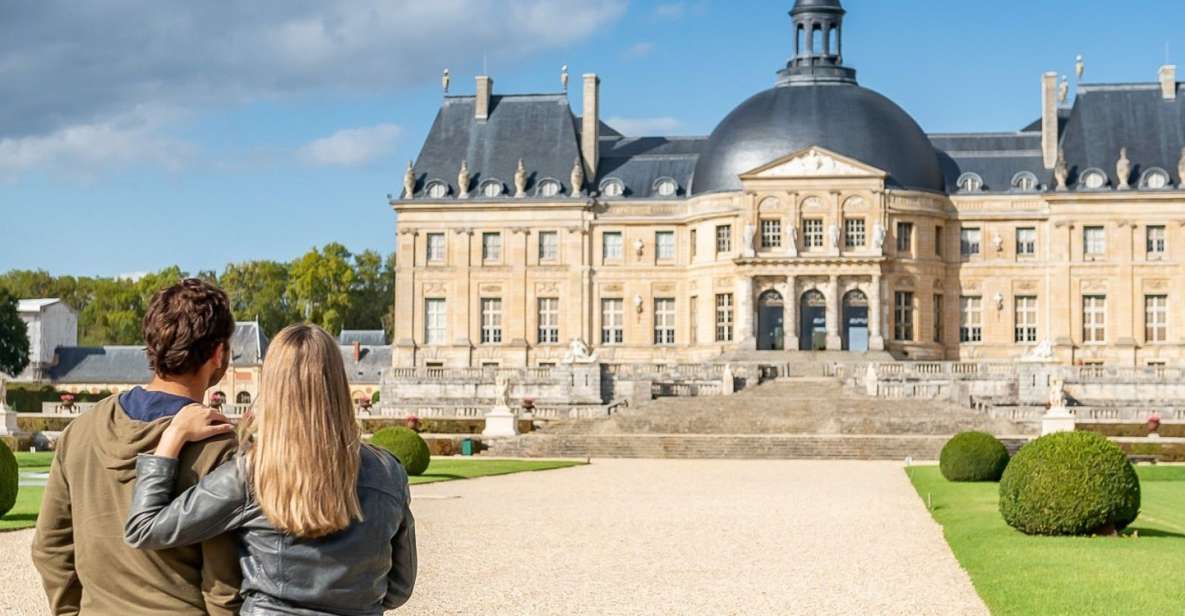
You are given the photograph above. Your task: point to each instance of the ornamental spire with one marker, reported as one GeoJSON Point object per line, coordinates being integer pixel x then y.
{"type": "Point", "coordinates": [818, 44]}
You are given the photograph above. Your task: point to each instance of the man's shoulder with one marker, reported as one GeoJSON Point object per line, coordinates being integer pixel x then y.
{"type": "Point", "coordinates": [203, 456]}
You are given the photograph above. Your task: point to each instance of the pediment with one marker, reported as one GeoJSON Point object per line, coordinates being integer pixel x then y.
{"type": "Point", "coordinates": [813, 162]}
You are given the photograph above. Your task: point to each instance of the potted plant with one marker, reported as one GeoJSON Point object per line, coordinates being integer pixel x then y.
{"type": "Point", "coordinates": [1153, 424]}
{"type": "Point", "coordinates": [413, 423]}
{"type": "Point", "coordinates": [217, 399]}
{"type": "Point", "coordinates": [67, 401]}
{"type": "Point", "coordinates": [363, 403]}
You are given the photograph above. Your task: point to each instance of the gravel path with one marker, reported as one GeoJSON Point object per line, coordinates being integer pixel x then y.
{"type": "Point", "coordinates": [663, 537]}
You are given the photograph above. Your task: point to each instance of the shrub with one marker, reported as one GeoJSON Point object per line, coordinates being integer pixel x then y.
{"type": "Point", "coordinates": [408, 446]}
{"type": "Point", "coordinates": [8, 479]}
{"type": "Point", "coordinates": [1070, 483]}
{"type": "Point", "coordinates": [973, 456]}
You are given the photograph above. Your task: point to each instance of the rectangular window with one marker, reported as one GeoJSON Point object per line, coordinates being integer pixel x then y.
{"type": "Point", "coordinates": [1094, 318]}
{"type": "Point", "coordinates": [939, 236]}
{"type": "Point", "coordinates": [1094, 241]}
{"type": "Point", "coordinates": [771, 233]}
{"type": "Point", "coordinates": [694, 240]}
{"type": "Point", "coordinates": [491, 247]}
{"type": "Point", "coordinates": [436, 248]}
{"type": "Point", "coordinates": [1026, 320]}
{"type": "Point", "coordinates": [549, 246]}
{"type": "Point", "coordinates": [549, 320]}
{"type": "Point", "coordinates": [1156, 242]}
{"type": "Point", "coordinates": [853, 233]}
{"type": "Point", "coordinates": [612, 246]}
{"type": "Point", "coordinates": [970, 319]}
{"type": "Point", "coordinates": [1156, 318]}
{"type": "Point", "coordinates": [939, 318]}
{"type": "Point", "coordinates": [664, 245]}
{"type": "Point", "coordinates": [435, 321]}
{"type": "Point", "coordinates": [905, 238]}
{"type": "Point", "coordinates": [612, 321]}
{"type": "Point", "coordinates": [812, 233]}
{"type": "Point", "coordinates": [693, 320]}
{"type": "Point", "coordinates": [724, 317]}
{"type": "Point", "coordinates": [969, 242]}
{"type": "Point", "coordinates": [903, 316]}
{"type": "Point", "coordinates": [1026, 243]}
{"type": "Point", "coordinates": [491, 320]}
{"type": "Point", "coordinates": [723, 239]}
{"type": "Point", "coordinates": [664, 321]}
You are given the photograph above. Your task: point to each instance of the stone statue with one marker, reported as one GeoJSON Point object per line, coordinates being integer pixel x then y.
{"type": "Point", "coordinates": [578, 353]}
{"type": "Point", "coordinates": [878, 235]}
{"type": "Point", "coordinates": [504, 387]}
{"type": "Point", "coordinates": [792, 244]}
{"type": "Point", "coordinates": [444, 80]}
{"type": "Point", "coordinates": [639, 245]}
{"type": "Point", "coordinates": [463, 180]}
{"type": "Point", "coordinates": [577, 178]}
{"type": "Point", "coordinates": [747, 235]}
{"type": "Point", "coordinates": [3, 392]}
{"type": "Point", "coordinates": [1061, 171]}
{"type": "Point", "coordinates": [1057, 392]}
{"type": "Point", "coordinates": [409, 181]}
{"type": "Point", "coordinates": [1080, 66]}
{"type": "Point", "coordinates": [1123, 169]}
{"type": "Point", "coordinates": [520, 180]}
{"type": "Point", "coordinates": [1041, 352]}
{"type": "Point", "coordinates": [564, 77]}
{"type": "Point", "coordinates": [833, 234]}
{"type": "Point", "coordinates": [1063, 91]}
{"type": "Point", "coordinates": [1181, 170]}
{"type": "Point", "coordinates": [998, 242]}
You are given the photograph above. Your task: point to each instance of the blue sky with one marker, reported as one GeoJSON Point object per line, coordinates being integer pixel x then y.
{"type": "Point", "coordinates": [143, 133]}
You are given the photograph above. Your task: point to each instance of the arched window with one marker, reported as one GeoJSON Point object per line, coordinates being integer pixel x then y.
{"type": "Point", "coordinates": [491, 189]}
{"type": "Point", "coordinates": [612, 188]}
{"type": "Point", "coordinates": [970, 183]}
{"type": "Point", "coordinates": [436, 189]}
{"type": "Point", "coordinates": [548, 188]}
{"type": "Point", "coordinates": [243, 398]}
{"type": "Point", "coordinates": [666, 187]}
{"type": "Point", "coordinates": [1155, 179]}
{"type": "Point", "coordinates": [1025, 181]}
{"type": "Point", "coordinates": [1093, 179]}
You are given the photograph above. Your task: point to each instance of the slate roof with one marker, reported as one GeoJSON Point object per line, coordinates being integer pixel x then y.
{"type": "Point", "coordinates": [368, 337]}
{"type": "Point", "coordinates": [639, 162]}
{"type": "Point", "coordinates": [109, 364]}
{"type": "Point", "coordinates": [368, 370]}
{"type": "Point", "coordinates": [995, 157]}
{"type": "Point", "coordinates": [537, 128]}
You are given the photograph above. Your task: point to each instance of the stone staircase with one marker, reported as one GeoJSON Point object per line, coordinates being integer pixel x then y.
{"type": "Point", "coordinates": [785, 419]}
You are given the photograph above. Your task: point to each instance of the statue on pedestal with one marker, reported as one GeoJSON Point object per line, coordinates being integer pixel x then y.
{"type": "Point", "coordinates": [577, 178]}
{"type": "Point", "coordinates": [1181, 170]}
{"type": "Point", "coordinates": [463, 180]}
{"type": "Point", "coordinates": [1061, 171]}
{"type": "Point", "coordinates": [520, 180]}
{"type": "Point", "coordinates": [878, 236]}
{"type": "Point", "coordinates": [1123, 170]}
{"type": "Point", "coordinates": [833, 234]}
{"type": "Point", "coordinates": [792, 244]}
{"type": "Point", "coordinates": [409, 181]}
{"type": "Point", "coordinates": [1057, 393]}
{"type": "Point", "coordinates": [747, 249]}
{"type": "Point", "coordinates": [578, 353]}
{"type": "Point", "coordinates": [3, 392]}
{"type": "Point", "coordinates": [504, 387]}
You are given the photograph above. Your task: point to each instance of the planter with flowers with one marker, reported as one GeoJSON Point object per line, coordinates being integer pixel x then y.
{"type": "Point", "coordinates": [413, 423]}
{"type": "Point", "coordinates": [217, 399]}
{"type": "Point", "coordinates": [1153, 425]}
{"type": "Point", "coordinates": [68, 402]}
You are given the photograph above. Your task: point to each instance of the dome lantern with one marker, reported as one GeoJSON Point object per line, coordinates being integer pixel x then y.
{"type": "Point", "coordinates": [818, 45]}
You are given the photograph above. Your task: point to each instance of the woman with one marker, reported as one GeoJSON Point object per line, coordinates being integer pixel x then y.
{"type": "Point", "coordinates": [324, 522]}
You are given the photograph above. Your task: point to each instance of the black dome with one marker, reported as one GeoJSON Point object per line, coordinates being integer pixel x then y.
{"type": "Point", "coordinates": [844, 118]}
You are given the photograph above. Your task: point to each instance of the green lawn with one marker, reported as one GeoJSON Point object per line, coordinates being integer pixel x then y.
{"type": "Point", "coordinates": [28, 499]}
{"type": "Point", "coordinates": [1019, 574]}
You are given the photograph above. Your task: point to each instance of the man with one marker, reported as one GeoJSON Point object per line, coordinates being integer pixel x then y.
{"type": "Point", "coordinates": [79, 549]}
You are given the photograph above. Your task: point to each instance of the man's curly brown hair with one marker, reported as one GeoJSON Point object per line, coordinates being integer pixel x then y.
{"type": "Point", "coordinates": [184, 325]}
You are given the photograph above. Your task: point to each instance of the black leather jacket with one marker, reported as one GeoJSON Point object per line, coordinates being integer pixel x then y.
{"type": "Point", "coordinates": [366, 568]}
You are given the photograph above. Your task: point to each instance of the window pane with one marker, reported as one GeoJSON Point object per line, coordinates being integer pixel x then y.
{"type": "Point", "coordinates": [905, 237]}
{"type": "Point", "coordinates": [724, 317]}
{"type": "Point", "coordinates": [1026, 242]}
{"type": "Point", "coordinates": [724, 238]}
{"type": "Point", "coordinates": [1026, 320]}
{"type": "Point", "coordinates": [491, 246]}
{"type": "Point", "coordinates": [435, 321]}
{"type": "Point", "coordinates": [664, 242]}
{"type": "Point", "coordinates": [812, 233]}
{"type": "Point", "coordinates": [491, 321]}
{"type": "Point", "coordinates": [771, 233]}
{"type": "Point", "coordinates": [970, 319]}
{"type": "Point", "coordinates": [612, 321]}
{"type": "Point", "coordinates": [435, 247]}
{"type": "Point", "coordinates": [1094, 318]}
{"type": "Point", "coordinates": [693, 319]}
{"type": "Point", "coordinates": [549, 246]}
{"type": "Point", "coordinates": [1156, 241]}
{"type": "Point", "coordinates": [969, 242]}
{"type": "Point", "coordinates": [1156, 318]}
{"type": "Point", "coordinates": [903, 316]}
{"type": "Point", "coordinates": [1094, 241]}
{"type": "Point", "coordinates": [664, 321]}
{"type": "Point", "coordinates": [939, 318]}
{"type": "Point", "coordinates": [613, 246]}
{"type": "Point", "coordinates": [938, 239]}
{"type": "Point", "coordinates": [853, 233]}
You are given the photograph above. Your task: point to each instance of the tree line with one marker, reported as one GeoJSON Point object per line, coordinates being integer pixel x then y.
{"type": "Point", "coordinates": [329, 286]}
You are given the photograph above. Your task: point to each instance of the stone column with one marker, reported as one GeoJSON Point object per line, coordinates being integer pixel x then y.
{"type": "Point", "coordinates": [876, 339]}
{"type": "Point", "coordinates": [790, 313]}
{"type": "Point", "coordinates": [834, 341]}
{"type": "Point", "coordinates": [743, 315]}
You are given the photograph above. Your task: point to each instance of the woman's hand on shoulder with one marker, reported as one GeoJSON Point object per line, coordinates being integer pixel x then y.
{"type": "Point", "coordinates": [194, 423]}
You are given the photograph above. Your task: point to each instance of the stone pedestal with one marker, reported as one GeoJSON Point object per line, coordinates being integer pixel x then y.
{"type": "Point", "coordinates": [501, 422]}
{"type": "Point", "coordinates": [1058, 419]}
{"type": "Point", "coordinates": [8, 424]}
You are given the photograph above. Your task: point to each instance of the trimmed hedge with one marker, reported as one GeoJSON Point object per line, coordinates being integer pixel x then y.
{"type": "Point", "coordinates": [1070, 483]}
{"type": "Point", "coordinates": [9, 479]}
{"type": "Point", "coordinates": [406, 445]}
{"type": "Point", "coordinates": [973, 456]}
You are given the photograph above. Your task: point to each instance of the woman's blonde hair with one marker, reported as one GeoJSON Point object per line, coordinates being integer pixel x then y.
{"type": "Point", "coordinates": [304, 453]}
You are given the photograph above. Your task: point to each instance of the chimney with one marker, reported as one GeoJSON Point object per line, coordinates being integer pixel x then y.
{"type": "Point", "coordinates": [1168, 82]}
{"type": "Point", "coordinates": [485, 87]}
{"type": "Point", "coordinates": [590, 129]}
{"type": "Point", "coordinates": [357, 351]}
{"type": "Point", "coordinates": [1049, 119]}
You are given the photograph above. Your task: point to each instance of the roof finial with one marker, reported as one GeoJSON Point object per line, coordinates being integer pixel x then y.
{"type": "Point", "coordinates": [444, 80]}
{"type": "Point", "coordinates": [1063, 91]}
{"type": "Point", "coordinates": [577, 178]}
{"type": "Point", "coordinates": [564, 77]}
{"type": "Point", "coordinates": [1123, 170]}
{"type": "Point", "coordinates": [1080, 66]}
{"type": "Point", "coordinates": [463, 180]}
{"type": "Point", "coordinates": [409, 181]}
{"type": "Point", "coordinates": [520, 180]}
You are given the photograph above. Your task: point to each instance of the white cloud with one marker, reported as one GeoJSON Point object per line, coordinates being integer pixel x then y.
{"type": "Point", "coordinates": [638, 50]}
{"type": "Point", "coordinates": [351, 147]}
{"type": "Point", "coordinates": [645, 127]}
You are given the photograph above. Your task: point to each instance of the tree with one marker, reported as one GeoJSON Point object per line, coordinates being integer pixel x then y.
{"type": "Point", "coordinates": [258, 290]}
{"type": "Point", "coordinates": [372, 293]}
{"type": "Point", "coordinates": [319, 286]}
{"type": "Point", "coordinates": [14, 337]}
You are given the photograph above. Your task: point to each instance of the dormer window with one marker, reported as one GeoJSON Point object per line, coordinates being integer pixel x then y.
{"type": "Point", "coordinates": [436, 189]}
{"type": "Point", "coordinates": [491, 189]}
{"type": "Point", "coordinates": [666, 187]}
{"type": "Point", "coordinates": [548, 188]}
{"type": "Point", "coordinates": [970, 183]}
{"type": "Point", "coordinates": [1155, 179]}
{"type": "Point", "coordinates": [1093, 179]}
{"type": "Point", "coordinates": [1024, 181]}
{"type": "Point", "coordinates": [612, 188]}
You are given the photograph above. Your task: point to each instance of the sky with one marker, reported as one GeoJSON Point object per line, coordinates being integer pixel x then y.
{"type": "Point", "coordinates": [138, 134]}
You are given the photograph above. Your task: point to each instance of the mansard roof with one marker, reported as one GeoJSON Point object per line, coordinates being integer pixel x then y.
{"type": "Point", "coordinates": [368, 368]}
{"type": "Point", "coordinates": [994, 157]}
{"type": "Point", "coordinates": [371, 337]}
{"type": "Point", "coordinates": [639, 162]}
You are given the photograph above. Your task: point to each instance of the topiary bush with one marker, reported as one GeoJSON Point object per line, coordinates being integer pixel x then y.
{"type": "Point", "coordinates": [8, 479]}
{"type": "Point", "coordinates": [1070, 483]}
{"type": "Point", "coordinates": [973, 456]}
{"type": "Point", "coordinates": [406, 445]}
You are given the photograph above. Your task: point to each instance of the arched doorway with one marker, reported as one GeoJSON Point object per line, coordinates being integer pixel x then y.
{"type": "Point", "coordinates": [855, 321]}
{"type": "Point", "coordinates": [771, 326]}
{"type": "Point", "coordinates": [812, 328]}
